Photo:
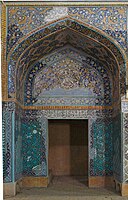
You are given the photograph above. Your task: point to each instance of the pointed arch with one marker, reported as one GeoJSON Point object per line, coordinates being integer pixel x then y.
{"type": "Point", "coordinates": [55, 35]}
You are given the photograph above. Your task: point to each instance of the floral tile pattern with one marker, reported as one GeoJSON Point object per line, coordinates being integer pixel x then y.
{"type": "Point", "coordinates": [100, 132]}
{"type": "Point", "coordinates": [75, 81]}
{"type": "Point", "coordinates": [64, 56]}
{"type": "Point", "coordinates": [41, 47]}
{"type": "Point", "coordinates": [111, 20]}
{"type": "Point", "coordinates": [8, 110]}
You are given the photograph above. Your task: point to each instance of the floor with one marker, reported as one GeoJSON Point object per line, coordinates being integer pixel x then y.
{"type": "Point", "coordinates": [67, 188]}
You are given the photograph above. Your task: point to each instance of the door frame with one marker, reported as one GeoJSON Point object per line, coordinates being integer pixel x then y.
{"type": "Point", "coordinates": [47, 137]}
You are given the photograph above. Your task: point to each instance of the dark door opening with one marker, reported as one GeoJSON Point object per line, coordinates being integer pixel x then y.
{"type": "Point", "coordinates": [68, 148]}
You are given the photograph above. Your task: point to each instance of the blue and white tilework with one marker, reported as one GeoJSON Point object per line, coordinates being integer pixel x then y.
{"type": "Point", "coordinates": [125, 139]}
{"type": "Point", "coordinates": [12, 142]}
{"type": "Point", "coordinates": [65, 56]}
{"type": "Point", "coordinates": [34, 146]}
{"type": "Point", "coordinates": [18, 143]}
{"type": "Point", "coordinates": [8, 110]}
{"type": "Point", "coordinates": [43, 46]}
{"type": "Point", "coordinates": [39, 46]}
{"type": "Point", "coordinates": [99, 130]}
{"type": "Point", "coordinates": [117, 155]}
{"type": "Point", "coordinates": [24, 19]}
{"type": "Point", "coordinates": [59, 79]}
{"type": "Point", "coordinates": [101, 144]}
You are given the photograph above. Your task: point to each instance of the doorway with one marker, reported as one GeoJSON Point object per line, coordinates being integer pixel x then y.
{"type": "Point", "coordinates": [68, 150]}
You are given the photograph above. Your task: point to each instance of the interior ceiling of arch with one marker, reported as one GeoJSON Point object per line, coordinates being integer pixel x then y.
{"type": "Point", "coordinates": [60, 39]}
{"type": "Point", "coordinates": [55, 36]}
{"type": "Point", "coordinates": [65, 73]}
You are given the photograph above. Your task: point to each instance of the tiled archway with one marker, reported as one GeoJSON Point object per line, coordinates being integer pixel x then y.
{"type": "Point", "coordinates": [106, 117]}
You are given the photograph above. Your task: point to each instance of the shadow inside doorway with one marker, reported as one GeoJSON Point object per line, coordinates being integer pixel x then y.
{"type": "Point", "coordinates": [68, 150]}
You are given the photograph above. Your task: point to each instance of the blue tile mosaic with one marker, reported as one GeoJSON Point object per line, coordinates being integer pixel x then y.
{"type": "Point", "coordinates": [117, 157]}
{"type": "Point", "coordinates": [108, 129]}
{"type": "Point", "coordinates": [34, 152]}
{"type": "Point", "coordinates": [4, 146]}
{"type": "Point", "coordinates": [125, 140]}
{"type": "Point", "coordinates": [18, 143]}
{"type": "Point", "coordinates": [13, 35]}
{"type": "Point", "coordinates": [12, 142]}
{"type": "Point", "coordinates": [8, 121]}
{"type": "Point", "coordinates": [56, 60]}
{"type": "Point", "coordinates": [59, 79]}
{"type": "Point", "coordinates": [41, 47]}
{"type": "Point", "coordinates": [31, 142]}
{"type": "Point", "coordinates": [102, 162]}
{"type": "Point", "coordinates": [100, 142]}
{"type": "Point", "coordinates": [110, 19]}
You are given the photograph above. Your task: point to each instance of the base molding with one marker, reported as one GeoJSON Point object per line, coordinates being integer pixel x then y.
{"type": "Point", "coordinates": [100, 181]}
{"type": "Point", "coordinates": [124, 189]}
{"type": "Point", "coordinates": [11, 189]}
{"type": "Point", "coordinates": [30, 181]}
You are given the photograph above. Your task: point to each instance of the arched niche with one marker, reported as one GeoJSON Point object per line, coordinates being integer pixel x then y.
{"type": "Point", "coordinates": [56, 35]}
{"type": "Point", "coordinates": [68, 77]}
{"type": "Point", "coordinates": [98, 52]}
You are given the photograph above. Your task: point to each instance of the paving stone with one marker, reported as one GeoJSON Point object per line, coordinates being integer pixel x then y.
{"type": "Point", "coordinates": [66, 188]}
